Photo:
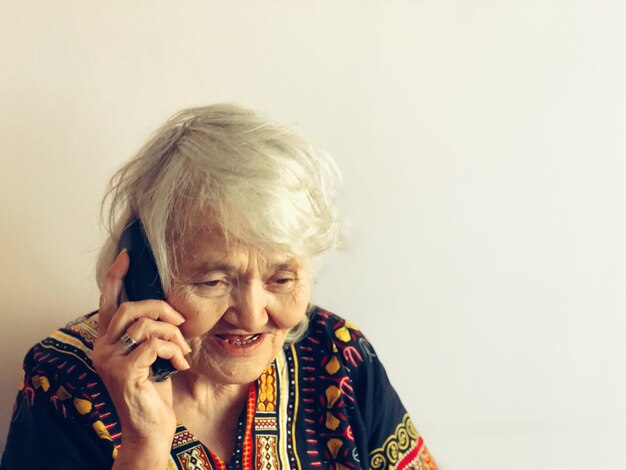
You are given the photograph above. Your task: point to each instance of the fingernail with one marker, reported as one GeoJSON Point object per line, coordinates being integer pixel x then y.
{"type": "Point", "coordinates": [188, 348]}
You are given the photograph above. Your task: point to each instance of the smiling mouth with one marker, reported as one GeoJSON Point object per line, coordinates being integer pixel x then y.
{"type": "Point", "coordinates": [238, 340]}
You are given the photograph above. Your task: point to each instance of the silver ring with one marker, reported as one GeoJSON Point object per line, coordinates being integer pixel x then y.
{"type": "Point", "coordinates": [128, 342]}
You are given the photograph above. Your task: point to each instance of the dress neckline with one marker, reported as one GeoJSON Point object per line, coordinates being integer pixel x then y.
{"type": "Point", "coordinates": [243, 439]}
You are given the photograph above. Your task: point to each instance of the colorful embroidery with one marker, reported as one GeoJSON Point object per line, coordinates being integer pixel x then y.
{"type": "Point", "coordinates": [310, 408]}
{"type": "Point", "coordinates": [266, 420]}
{"type": "Point", "coordinates": [62, 375]}
{"type": "Point", "coordinates": [403, 449]}
{"type": "Point", "coordinates": [267, 389]}
{"type": "Point", "coordinates": [194, 459]}
{"type": "Point", "coordinates": [267, 453]}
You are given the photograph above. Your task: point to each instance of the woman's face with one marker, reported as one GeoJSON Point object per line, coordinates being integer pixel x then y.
{"type": "Point", "coordinates": [239, 305]}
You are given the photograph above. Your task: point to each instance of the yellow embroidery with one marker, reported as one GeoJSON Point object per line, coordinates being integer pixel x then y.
{"type": "Point", "coordinates": [333, 446]}
{"type": "Point", "coordinates": [267, 390]}
{"type": "Point", "coordinates": [343, 334]}
{"type": "Point", "coordinates": [332, 422]}
{"type": "Point", "coordinates": [332, 395]}
{"type": "Point", "coordinates": [62, 393]}
{"type": "Point", "coordinates": [41, 382]}
{"type": "Point", "coordinates": [333, 366]}
{"type": "Point", "coordinates": [83, 406]}
{"type": "Point", "coordinates": [101, 430]}
{"type": "Point", "coordinates": [396, 446]}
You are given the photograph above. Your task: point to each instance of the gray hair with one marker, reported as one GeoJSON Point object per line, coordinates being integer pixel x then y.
{"type": "Point", "coordinates": [259, 181]}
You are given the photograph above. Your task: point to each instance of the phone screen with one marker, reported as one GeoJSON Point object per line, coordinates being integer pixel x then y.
{"type": "Point", "coordinates": [142, 282]}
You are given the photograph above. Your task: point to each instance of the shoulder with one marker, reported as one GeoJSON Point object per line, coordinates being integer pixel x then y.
{"type": "Point", "coordinates": [341, 356]}
{"type": "Point", "coordinates": [60, 386]}
{"type": "Point", "coordinates": [340, 338]}
{"type": "Point", "coordinates": [355, 386]}
{"type": "Point", "coordinates": [66, 350]}
{"type": "Point", "coordinates": [58, 370]}
{"type": "Point", "coordinates": [332, 329]}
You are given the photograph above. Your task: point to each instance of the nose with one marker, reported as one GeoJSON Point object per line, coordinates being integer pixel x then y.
{"type": "Point", "coordinates": [248, 307]}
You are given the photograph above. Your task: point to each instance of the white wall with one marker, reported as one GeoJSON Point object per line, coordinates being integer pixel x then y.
{"type": "Point", "coordinates": [482, 145]}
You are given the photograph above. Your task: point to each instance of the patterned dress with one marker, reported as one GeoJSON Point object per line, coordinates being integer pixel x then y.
{"type": "Point", "coordinates": [325, 402]}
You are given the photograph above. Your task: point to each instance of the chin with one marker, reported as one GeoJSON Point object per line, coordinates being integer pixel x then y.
{"type": "Point", "coordinates": [234, 370]}
{"type": "Point", "coordinates": [236, 374]}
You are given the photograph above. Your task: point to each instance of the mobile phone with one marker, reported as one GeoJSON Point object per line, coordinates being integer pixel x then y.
{"type": "Point", "coordinates": [142, 282]}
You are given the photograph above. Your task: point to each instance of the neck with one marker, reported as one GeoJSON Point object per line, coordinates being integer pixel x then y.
{"type": "Point", "coordinates": [209, 411]}
{"type": "Point", "coordinates": [201, 393]}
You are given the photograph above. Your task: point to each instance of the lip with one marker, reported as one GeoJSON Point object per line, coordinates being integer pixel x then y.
{"type": "Point", "coordinates": [239, 349]}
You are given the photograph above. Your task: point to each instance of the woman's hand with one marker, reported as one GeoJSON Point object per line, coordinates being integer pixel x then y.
{"type": "Point", "coordinates": [144, 407]}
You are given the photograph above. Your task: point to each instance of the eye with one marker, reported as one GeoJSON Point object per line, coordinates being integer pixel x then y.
{"type": "Point", "coordinates": [282, 282]}
{"type": "Point", "coordinates": [213, 287]}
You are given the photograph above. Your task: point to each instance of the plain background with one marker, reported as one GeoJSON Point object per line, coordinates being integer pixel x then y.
{"type": "Point", "coordinates": [483, 150]}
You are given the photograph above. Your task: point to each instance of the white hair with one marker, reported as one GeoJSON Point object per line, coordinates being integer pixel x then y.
{"type": "Point", "coordinates": [260, 182]}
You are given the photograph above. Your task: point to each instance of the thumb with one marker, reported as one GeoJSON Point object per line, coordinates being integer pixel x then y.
{"type": "Point", "coordinates": [112, 289]}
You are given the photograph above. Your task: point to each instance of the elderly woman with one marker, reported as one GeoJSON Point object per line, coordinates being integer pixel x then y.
{"type": "Point", "coordinates": [235, 209]}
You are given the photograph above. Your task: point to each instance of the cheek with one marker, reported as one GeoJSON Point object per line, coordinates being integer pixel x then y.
{"type": "Point", "coordinates": [286, 320]}
{"type": "Point", "coordinates": [200, 315]}
{"type": "Point", "coordinates": [289, 310]}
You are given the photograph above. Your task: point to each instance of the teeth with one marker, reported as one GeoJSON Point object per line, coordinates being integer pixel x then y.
{"type": "Point", "coordinates": [248, 340]}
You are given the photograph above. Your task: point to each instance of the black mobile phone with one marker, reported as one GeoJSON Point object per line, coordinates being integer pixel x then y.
{"type": "Point", "coordinates": [142, 282]}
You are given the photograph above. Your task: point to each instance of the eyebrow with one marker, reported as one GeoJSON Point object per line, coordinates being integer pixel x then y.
{"type": "Point", "coordinates": [205, 268]}
{"type": "Point", "coordinates": [286, 265]}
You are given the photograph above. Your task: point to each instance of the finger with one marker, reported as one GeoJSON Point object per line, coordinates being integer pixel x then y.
{"type": "Point", "coordinates": [145, 355]}
{"type": "Point", "coordinates": [112, 289]}
{"type": "Point", "coordinates": [130, 312]}
{"type": "Point", "coordinates": [144, 329]}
